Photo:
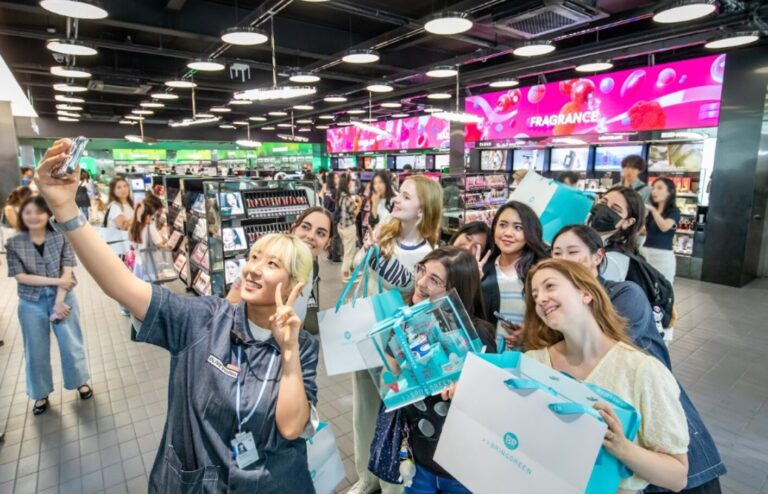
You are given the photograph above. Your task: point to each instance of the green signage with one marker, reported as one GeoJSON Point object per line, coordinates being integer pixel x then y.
{"type": "Point", "coordinates": [193, 155]}
{"type": "Point", "coordinates": [139, 154]}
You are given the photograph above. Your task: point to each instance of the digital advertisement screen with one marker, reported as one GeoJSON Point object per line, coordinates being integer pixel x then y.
{"type": "Point", "coordinates": [233, 239]}
{"type": "Point", "coordinates": [569, 159]}
{"type": "Point", "coordinates": [379, 163]}
{"type": "Point", "coordinates": [233, 269]}
{"type": "Point", "coordinates": [420, 162]}
{"type": "Point", "coordinates": [231, 204]}
{"type": "Point", "coordinates": [442, 161]}
{"type": "Point", "coordinates": [401, 161]}
{"type": "Point", "coordinates": [678, 95]}
{"type": "Point", "coordinates": [347, 162]}
{"type": "Point", "coordinates": [426, 132]}
{"type": "Point", "coordinates": [608, 158]}
{"type": "Point", "coordinates": [494, 160]}
{"type": "Point", "coordinates": [678, 157]}
{"type": "Point", "coordinates": [529, 159]}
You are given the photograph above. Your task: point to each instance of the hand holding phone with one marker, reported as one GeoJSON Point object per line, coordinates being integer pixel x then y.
{"type": "Point", "coordinates": [75, 152]}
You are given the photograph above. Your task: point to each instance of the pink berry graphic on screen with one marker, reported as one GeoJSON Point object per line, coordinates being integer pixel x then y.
{"type": "Point", "coordinates": [632, 84]}
{"type": "Point", "coordinates": [647, 115]}
{"type": "Point", "coordinates": [607, 85]}
{"type": "Point", "coordinates": [581, 91]}
{"type": "Point", "coordinates": [666, 76]}
{"type": "Point", "coordinates": [516, 95]}
{"type": "Point", "coordinates": [536, 93]}
{"type": "Point", "coordinates": [503, 104]}
{"type": "Point", "coordinates": [566, 129]}
{"type": "Point", "coordinates": [718, 69]}
{"type": "Point", "coordinates": [421, 141]}
{"type": "Point", "coordinates": [565, 86]}
{"type": "Point", "coordinates": [405, 134]}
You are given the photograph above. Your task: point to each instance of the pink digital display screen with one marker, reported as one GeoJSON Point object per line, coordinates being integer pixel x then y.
{"type": "Point", "coordinates": [677, 95]}
{"type": "Point", "coordinates": [425, 132]}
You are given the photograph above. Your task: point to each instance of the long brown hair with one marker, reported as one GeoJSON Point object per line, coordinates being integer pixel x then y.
{"type": "Point", "coordinates": [463, 275]}
{"type": "Point", "coordinates": [146, 210]}
{"type": "Point", "coordinates": [430, 196]}
{"type": "Point", "coordinates": [113, 197]}
{"type": "Point", "coordinates": [539, 335]}
{"type": "Point", "coordinates": [315, 209]}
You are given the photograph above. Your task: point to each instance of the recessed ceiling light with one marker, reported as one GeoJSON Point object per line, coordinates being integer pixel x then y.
{"type": "Point", "coordinates": [68, 99]}
{"type": "Point", "coordinates": [240, 122]}
{"type": "Point", "coordinates": [303, 77]}
{"type": "Point", "coordinates": [220, 109]}
{"type": "Point", "coordinates": [68, 119]}
{"type": "Point", "coordinates": [244, 36]}
{"type": "Point", "coordinates": [285, 125]}
{"type": "Point", "coordinates": [303, 107]}
{"type": "Point", "coordinates": [69, 107]}
{"type": "Point", "coordinates": [355, 111]}
{"type": "Point", "coordinates": [335, 98]}
{"type": "Point", "coordinates": [227, 126]}
{"type": "Point", "coordinates": [321, 127]}
{"type": "Point", "coordinates": [433, 110]}
{"type": "Point", "coordinates": [70, 72]}
{"type": "Point", "coordinates": [70, 47]}
{"type": "Point", "coordinates": [181, 84]}
{"type": "Point", "coordinates": [240, 101]}
{"type": "Point", "coordinates": [684, 11]}
{"type": "Point", "coordinates": [391, 104]}
{"type": "Point", "coordinates": [508, 82]}
{"type": "Point", "coordinates": [732, 40]}
{"type": "Point", "coordinates": [361, 56]}
{"type": "Point", "coordinates": [442, 71]}
{"type": "Point", "coordinates": [75, 9]}
{"type": "Point", "coordinates": [268, 127]}
{"type": "Point", "coordinates": [399, 115]}
{"type": "Point", "coordinates": [380, 87]}
{"type": "Point", "coordinates": [449, 23]}
{"type": "Point", "coordinates": [439, 96]}
{"type": "Point", "coordinates": [67, 114]}
{"type": "Point", "coordinates": [206, 65]}
{"type": "Point", "coordinates": [534, 48]}
{"type": "Point", "coordinates": [151, 104]}
{"type": "Point", "coordinates": [596, 66]}
{"type": "Point", "coordinates": [257, 119]}
{"type": "Point", "coordinates": [166, 96]}
{"type": "Point", "coordinates": [205, 115]}
{"type": "Point", "coordinates": [142, 112]}
{"type": "Point", "coordinates": [69, 88]}
{"type": "Point", "coordinates": [134, 117]}
{"type": "Point", "coordinates": [304, 121]}
{"type": "Point", "coordinates": [277, 113]}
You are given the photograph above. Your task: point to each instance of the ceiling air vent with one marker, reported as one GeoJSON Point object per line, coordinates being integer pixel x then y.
{"type": "Point", "coordinates": [550, 17]}
{"type": "Point", "coordinates": [118, 87]}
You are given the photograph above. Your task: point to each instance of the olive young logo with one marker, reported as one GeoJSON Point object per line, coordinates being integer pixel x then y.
{"type": "Point", "coordinates": [591, 116]}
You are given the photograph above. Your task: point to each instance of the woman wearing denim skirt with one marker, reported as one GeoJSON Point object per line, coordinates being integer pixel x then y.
{"type": "Point", "coordinates": [42, 261]}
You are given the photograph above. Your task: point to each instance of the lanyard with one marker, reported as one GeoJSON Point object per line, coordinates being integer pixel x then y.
{"type": "Point", "coordinates": [258, 398]}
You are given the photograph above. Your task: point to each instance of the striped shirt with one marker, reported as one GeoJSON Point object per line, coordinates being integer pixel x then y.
{"type": "Point", "coordinates": [511, 300]}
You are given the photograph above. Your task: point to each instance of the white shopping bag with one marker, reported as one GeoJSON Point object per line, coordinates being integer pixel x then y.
{"type": "Point", "coordinates": [116, 239]}
{"type": "Point", "coordinates": [325, 466]}
{"type": "Point", "coordinates": [340, 332]}
{"type": "Point", "coordinates": [500, 439]}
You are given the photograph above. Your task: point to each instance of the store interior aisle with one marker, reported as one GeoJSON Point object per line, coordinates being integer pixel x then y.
{"type": "Point", "coordinates": [108, 443]}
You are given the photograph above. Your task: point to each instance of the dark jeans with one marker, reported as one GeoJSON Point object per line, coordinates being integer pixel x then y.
{"type": "Point", "coordinates": [426, 482]}
{"type": "Point", "coordinates": [711, 487]}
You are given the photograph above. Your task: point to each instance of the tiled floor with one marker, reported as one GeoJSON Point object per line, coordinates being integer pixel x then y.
{"type": "Point", "coordinates": [108, 444]}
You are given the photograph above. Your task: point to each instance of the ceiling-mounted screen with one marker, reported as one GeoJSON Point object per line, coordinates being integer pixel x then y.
{"type": "Point", "coordinates": [426, 132]}
{"type": "Point", "coordinates": [608, 158]}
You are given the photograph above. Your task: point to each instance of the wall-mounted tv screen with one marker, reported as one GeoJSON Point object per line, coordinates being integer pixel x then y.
{"type": "Point", "coordinates": [347, 162]}
{"type": "Point", "coordinates": [608, 158]}
{"type": "Point", "coordinates": [529, 159]}
{"type": "Point", "coordinates": [442, 161]}
{"type": "Point", "coordinates": [401, 161]}
{"type": "Point", "coordinates": [575, 159]}
{"type": "Point", "coordinates": [379, 163]}
{"type": "Point", "coordinates": [494, 160]}
{"type": "Point", "coordinates": [678, 157]}
{"type": "Point", "coordinates": [420, 162]}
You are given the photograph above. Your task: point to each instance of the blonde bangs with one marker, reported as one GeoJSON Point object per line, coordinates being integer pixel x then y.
{"type": "Point", "coordinates": [294, 255]}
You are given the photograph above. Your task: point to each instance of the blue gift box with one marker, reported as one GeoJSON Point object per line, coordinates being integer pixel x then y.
{"type": "Point", "coordinates": [420, 350]}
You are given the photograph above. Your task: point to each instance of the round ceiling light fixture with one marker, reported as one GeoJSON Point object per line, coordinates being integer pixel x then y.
{"type": "Point", "coordinates": [285, 125]}
{"type": "Point", "coordinates": [257, 119]}
{"type": "Point", "coordinates": [244, 36]}
{"type": "Point", "coordinates": [433, 110]}
{"type": "Point", "coordinates": [391, 104]}
{"type": "Point", "coordinates": [126, 122]}
{"type": "Point", "coordinates": [240, 123]}
{"type": "Point", "coordinates": [152, 104]}
{"type": "Point", "coordinates": [70, 47]}
{"type": "Point", "coordinates": [268, 127]}
{"type": "Point", "coordinates": [206, 65]}
{"type": "Point", "coordinates": [448, 23]}
{"type": "Point", "coordinates": [68, 119]}
{"type": "Point", "coordinates": [370, 120]}
{"type": "Point", "coordinates": [303, 107]}
{"type": "Point", "coordinates": [399, 115]}
{"type": "Point", "coordinates": [304, 121]}
{"type": "Point", "coordinates": [596, 66]}
{"type": "Point", "coordinates": [361, 56]}
{"type": "Point", "coordinates": [71, 72]}
{"type": "Point", "coordinates": [220, 109]}
{"type": "Point", "coordinates": [442, 71]}
{"type": "Point", "coordinates": [303, 77]}
{"type": "Point", "coordinates": [134, 117]}
{"type": "Point", "coordinates": [240, 102]}
{"type": "Point", "coordinates": [439, 96]}
{"type": "Point", "coordinates": [321, 127]}
{"type": "Point", "coordinates": [506, 82]}
{"type": "Point", "coordinates": [733, 40]}
{"type": "Point", "coordinates": [380, 87]}
{"type": "Point", "coordinates": [355, 111]}
{"type": "Point", "coordinates": [227, 126]}
{"type": "Point", "coordinates": [534, 48]}
{"type": "Point", "coordinates": [304, 129]}
{"type": "Point", "coordinates": [180, 84]}
{"type": "Point", "coordinates": [63, 113]}
{"type": "Point", "coordinates": [69, 107]}
{"type": "Point", "coordinates": [277, 113]}
{"type": "Point", "coordinates": [142, 112]}
{"type": "Point", "coordinates": [335, 98]}
{"type": "Point", "coordinates": [166, 96]}
{"type": "Point", "coordinates": [75, 9]}
{"type": "Point", "coordinates": [684, 11]}
{"type": "Point", "coordinates": [69, 88]}
{"type": "Point", "coordinates": [327, 117]}
{"type": "Point", "coordinates": [68, 99]}
{"type": "Point", "coordinates": [204, 115]}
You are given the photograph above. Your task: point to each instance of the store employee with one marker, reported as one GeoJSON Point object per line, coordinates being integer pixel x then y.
{"type": "Point", "coordinates": [242, 383]}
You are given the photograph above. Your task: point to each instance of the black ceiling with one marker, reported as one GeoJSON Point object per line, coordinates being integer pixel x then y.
{"type": "Point", "coordinates": [145, 42]}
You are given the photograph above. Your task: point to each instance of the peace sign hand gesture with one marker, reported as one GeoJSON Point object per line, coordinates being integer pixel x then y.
{"type": "Point", "coordinates": [481, 262]}
{"type": "Point", "coordinates": [285, 323]}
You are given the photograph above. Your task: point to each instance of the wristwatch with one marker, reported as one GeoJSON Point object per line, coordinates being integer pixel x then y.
{"type": "Point", "coordinates": [69, 225]}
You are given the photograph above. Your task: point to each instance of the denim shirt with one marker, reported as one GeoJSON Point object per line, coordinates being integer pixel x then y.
{"type": "Point", "coordinates": [704, 463]}
{"type": "Point", "coordinates": [195, 453]}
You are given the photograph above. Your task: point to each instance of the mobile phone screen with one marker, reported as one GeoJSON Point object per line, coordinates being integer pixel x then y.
{"type": "Point", "coordinates": [75, 152]}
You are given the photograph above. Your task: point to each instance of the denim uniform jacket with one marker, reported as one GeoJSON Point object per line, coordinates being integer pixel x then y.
{"type": "Point", "coordinates": [704, 463]}
{"type": "Point", "coordinates": [195, 453]}
{"type": "Point", "coordinates": [23, 257]}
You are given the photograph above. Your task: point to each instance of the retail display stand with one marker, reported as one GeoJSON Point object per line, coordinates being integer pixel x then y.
{"type": "Point", "coordinates": [471, 197]}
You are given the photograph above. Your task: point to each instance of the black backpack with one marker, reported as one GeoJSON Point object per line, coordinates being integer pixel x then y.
{"type": "Point", "coordinates": [656, 287]}
{"type": "Point", "coordinates": [81, 197]}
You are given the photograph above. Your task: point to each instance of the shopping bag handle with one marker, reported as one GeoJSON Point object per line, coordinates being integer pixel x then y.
{"type": "Point", "coordinates": [373, 251]}
{"type": "Point", "coordinates": [528, 384]}
{"type": "Point", "coordinates": [352, 278]}
{"type": "Point", "coordinates": [570, 408]}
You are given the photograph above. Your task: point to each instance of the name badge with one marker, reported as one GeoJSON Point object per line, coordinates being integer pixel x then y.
{"type": "Point", "coordinates": [245, 450]}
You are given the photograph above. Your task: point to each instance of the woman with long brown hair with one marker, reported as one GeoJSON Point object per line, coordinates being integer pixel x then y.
{"type": "Point", "coordinates": [120, 206]}
{"type": "Point", "coordinates": [571, 326]}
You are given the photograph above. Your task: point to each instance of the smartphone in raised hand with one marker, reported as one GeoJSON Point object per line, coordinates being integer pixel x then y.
{"type": "Point", "coordinates": [75, 153]}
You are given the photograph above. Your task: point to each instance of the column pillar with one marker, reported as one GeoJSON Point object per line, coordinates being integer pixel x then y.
{"type": "Point", "coordinates": [10, 176]}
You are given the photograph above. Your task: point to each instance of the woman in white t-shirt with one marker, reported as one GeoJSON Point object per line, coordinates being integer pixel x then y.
{"type": "Point", "coordinates": [120, 207]}
{"type": "Point", "coordinates": [572, 326]}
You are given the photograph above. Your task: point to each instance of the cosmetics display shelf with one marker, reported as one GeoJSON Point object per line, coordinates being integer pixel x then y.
{"type": "Point", "coordinates": [471, 197]}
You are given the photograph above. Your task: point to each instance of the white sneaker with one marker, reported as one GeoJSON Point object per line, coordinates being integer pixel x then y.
{"type": "Point", "coordinates": [363, 487]}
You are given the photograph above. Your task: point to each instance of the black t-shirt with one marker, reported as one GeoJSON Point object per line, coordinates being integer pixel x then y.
{"type": "Point", "coordinates": [656, 239]}
{"type": "Point", "coordinates": [40, 248]}
{"type": "Point", "coordinates": [425, 419]}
